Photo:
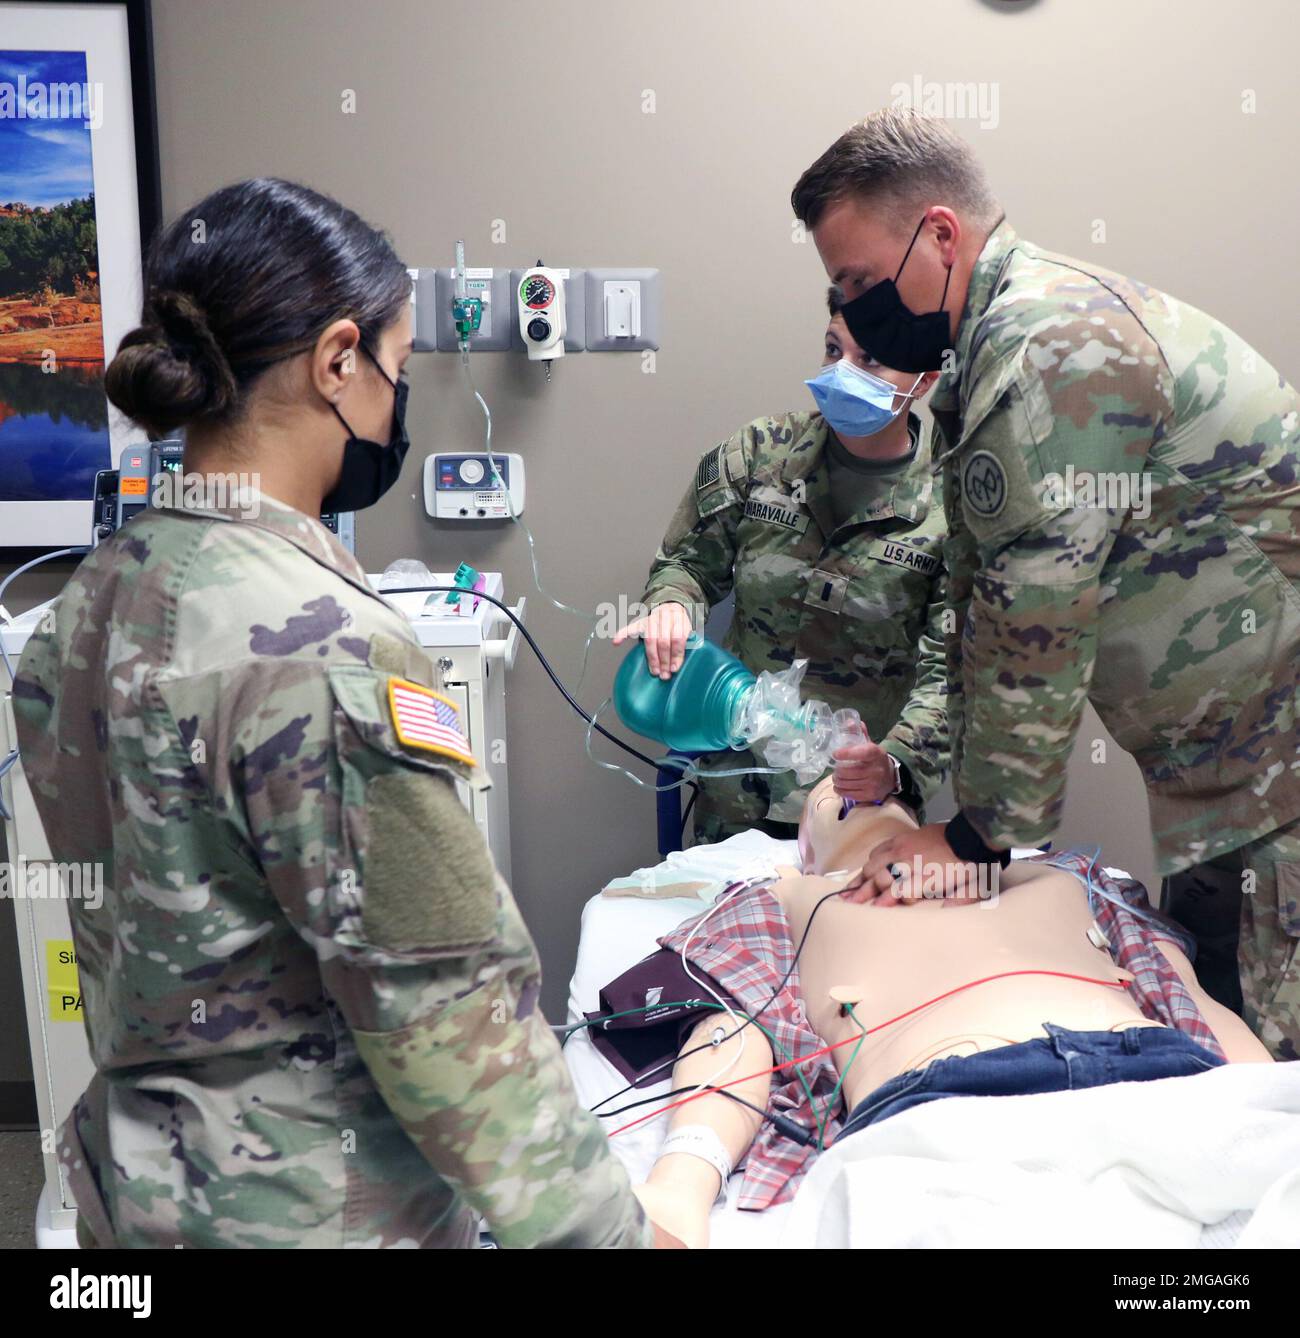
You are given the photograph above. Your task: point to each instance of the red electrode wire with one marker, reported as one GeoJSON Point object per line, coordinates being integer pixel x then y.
{"type": "Point", "coordinates": [826, 1049]}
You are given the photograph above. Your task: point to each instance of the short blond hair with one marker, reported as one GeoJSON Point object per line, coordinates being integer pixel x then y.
{"type": "Point", "coordinates": [903, 158]}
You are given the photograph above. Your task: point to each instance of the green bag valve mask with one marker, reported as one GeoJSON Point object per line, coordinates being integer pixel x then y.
{"type": "Point", "coordinates": [713, 703]}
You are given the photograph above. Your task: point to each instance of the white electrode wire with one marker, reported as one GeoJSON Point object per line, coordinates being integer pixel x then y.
{"type": "Point", "coordinates": [704, 984]}
{"type": "Point", "coordinates": [727, 1065]}
{"type": "Point", "coordinates": [586, 617]}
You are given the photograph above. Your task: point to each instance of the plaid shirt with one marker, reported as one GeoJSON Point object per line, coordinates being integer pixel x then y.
{"type": "Point", "coordinates": [747, 947]}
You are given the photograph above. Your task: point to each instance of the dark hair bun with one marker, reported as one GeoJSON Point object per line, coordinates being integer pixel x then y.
{"type": "Point", "coordinates": [170, 370]}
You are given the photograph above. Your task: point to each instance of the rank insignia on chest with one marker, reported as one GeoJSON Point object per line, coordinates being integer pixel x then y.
{"type": "Point", "coordinates": [774, 513]}
{"type": "Point", "coordinates": [826, 590]}
{"type": "Point", "coordinates": [426, 720]}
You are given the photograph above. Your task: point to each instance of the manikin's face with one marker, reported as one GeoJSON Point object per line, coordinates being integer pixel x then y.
{"type": "Point", "coordinates": [828, 843]}
{"type": "Point", "coordinates": [822, 835]}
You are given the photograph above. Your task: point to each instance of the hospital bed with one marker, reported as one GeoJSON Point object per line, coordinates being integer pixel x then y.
{"type": "Point", "coordinates": [616, 932]}
{"type": "Point", "coordinates": [619, 931]}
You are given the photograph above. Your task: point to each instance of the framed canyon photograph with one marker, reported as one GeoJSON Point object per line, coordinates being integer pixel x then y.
{"type": "Point", "coordinates": [78, 196]}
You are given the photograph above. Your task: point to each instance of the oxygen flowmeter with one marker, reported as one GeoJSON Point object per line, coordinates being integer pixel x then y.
{"type": "Point", "coordinates": [466, 311]}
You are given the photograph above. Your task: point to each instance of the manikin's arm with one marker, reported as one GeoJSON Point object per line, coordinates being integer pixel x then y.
{"type": "Point", "coordinates": [682, 1187]}
{"type": "Point", "coordinates": [1240, 1044]}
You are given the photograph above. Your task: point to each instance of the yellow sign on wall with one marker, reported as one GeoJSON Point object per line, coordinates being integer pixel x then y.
{"type": "Point", "coordinates": [62, 984]}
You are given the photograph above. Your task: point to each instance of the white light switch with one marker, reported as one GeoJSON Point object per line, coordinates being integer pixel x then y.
{"type": "Point", "coordinates": [622, 309]}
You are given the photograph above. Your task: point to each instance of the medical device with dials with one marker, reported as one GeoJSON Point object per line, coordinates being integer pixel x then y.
{"type": "Point", "coordinates": [541, 313]}
{"type": "Point", "coordinates": [459, 485]}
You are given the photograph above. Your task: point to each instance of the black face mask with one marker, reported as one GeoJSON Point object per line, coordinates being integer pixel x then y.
{"type": "Point", "coordinates": [370, 468]}
{"type": "Point", "coordinates": [892, 333]}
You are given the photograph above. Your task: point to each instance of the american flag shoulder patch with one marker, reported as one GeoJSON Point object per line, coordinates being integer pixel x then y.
{"type": "Point", "coordinates": [709, 471]}
{"type": "Point", "coordinates": [427, 720]}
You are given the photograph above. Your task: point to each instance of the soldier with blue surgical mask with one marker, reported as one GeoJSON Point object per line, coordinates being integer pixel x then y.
{"type": "Point", "coordinates": [827, 527]}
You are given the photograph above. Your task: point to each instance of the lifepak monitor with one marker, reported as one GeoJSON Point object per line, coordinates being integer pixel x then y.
{"type": "Point", "coordinates": [140, 478]}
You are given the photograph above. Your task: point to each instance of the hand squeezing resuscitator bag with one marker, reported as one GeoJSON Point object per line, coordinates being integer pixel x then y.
{"type": "Point", "coordinates": [713, 703]}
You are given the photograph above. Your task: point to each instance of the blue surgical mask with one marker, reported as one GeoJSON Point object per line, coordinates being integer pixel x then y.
{"type": "Point", "coordinates": [853, 402]}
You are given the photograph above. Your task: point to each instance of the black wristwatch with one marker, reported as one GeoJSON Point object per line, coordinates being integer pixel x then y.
{"type": "Point", "coordinates": [905, 788]}
{"type": "Point", "coordinates": [969, 846]}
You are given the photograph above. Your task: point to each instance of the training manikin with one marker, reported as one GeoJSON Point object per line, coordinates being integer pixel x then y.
{"type": "Point", "coordinates": [884, 957]}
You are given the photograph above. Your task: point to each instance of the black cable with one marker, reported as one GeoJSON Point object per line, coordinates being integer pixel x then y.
{"type": "Point", "coordinates": [739, 1100]}
{"type": "Point", "coordinates": [796, 1132]}
{"type": "Point", "coordinates": [686, 812]}
{"type": "Point", "coordinates": [749, 1017]}
{"type": "Point", "coordinates": [645, 1101]}
{"type": "Point", "coordinates": [537, 650]}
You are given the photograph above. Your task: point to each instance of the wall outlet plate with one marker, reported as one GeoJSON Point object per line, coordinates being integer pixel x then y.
{"type": "Point", "coordinates": [597, 340]}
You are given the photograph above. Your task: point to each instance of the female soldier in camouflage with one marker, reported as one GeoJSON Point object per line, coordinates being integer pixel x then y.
{"type": "Point", "coordinates": [831, 540]}
{"type": "Point", "coordinates": [310, 1000]}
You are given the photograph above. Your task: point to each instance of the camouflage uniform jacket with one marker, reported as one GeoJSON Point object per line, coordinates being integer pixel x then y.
{"type": "Point", "coordinates": [862, 603]}
{"type": "Point", "coordinates": [1122, 484]}
{"type": "Point", "coordinates": [310, 1000]}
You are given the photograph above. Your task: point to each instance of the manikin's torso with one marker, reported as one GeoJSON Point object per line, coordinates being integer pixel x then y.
{"type": "Point", "coordinates": [891, 958]}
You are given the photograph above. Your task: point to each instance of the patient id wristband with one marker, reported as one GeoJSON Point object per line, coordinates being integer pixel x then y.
{"type": "Point", "coordinates": [698, 1140]}
{"type": "Point", "coordinates": [969, 846]}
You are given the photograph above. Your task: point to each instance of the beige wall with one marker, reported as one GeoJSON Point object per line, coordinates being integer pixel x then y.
{"type": "Point", "coordinates": [1125, 111]}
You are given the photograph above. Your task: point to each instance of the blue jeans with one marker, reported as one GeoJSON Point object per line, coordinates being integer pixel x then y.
{"type": "Point", "coordinates": [1061, 1061]}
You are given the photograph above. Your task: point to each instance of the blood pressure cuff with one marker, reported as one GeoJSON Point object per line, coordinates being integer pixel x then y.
{"type": "Point", "coordinates": [660, 1004]}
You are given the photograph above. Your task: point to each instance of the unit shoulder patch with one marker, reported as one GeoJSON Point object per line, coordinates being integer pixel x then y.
{"type": "Point", "coordinates": [984, 484]}
{"type": "Point", "coordinates": [426, 720]}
